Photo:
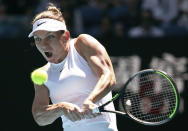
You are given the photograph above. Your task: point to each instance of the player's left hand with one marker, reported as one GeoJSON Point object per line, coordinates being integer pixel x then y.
{"type": "Point", "coordinates": [87, 109]}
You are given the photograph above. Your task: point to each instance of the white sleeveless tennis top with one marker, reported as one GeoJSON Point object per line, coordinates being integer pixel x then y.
{"type": "Point", "coordinates": [72, 80]}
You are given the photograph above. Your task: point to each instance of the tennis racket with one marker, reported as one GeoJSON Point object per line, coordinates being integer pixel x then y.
{"type": "Point", "coordinates": [149, 97]}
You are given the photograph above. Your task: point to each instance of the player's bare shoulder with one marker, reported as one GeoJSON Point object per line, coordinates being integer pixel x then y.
{"type": "Point", "coordinates": [45, 67]}
{"type": "Point", "coordinates": [87, 43]}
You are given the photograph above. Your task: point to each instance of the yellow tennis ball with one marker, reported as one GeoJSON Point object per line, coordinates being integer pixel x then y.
{"type": "Point", "coordinates": [39, 76]}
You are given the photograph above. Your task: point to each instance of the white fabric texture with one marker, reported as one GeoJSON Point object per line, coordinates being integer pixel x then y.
{"type": "Point", "coordinates": [72, 80]}
{"type": "Point", "coordinates": [47, 24]}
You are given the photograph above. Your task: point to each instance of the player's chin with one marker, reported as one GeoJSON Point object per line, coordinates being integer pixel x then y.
{"type": "Point", "coordinates": [51, 59]}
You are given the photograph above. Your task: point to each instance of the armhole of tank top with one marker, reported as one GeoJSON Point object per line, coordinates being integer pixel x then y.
{"type": "Point", "coordinates": [83, 61]}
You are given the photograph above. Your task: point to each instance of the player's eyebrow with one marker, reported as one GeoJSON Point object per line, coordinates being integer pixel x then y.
{"type": "Point", "coordinates": [45, 35]}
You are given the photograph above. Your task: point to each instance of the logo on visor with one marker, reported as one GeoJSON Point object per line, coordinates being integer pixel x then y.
{"type": "Point", "coordinates": [41, 23]}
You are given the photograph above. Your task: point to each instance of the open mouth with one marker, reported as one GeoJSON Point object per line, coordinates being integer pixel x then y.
{"type": "Point", "coordinates": [48, 54]}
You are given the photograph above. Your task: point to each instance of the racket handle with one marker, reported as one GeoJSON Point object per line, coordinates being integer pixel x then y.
{"type": "Point", "coordinates": [96, 110]}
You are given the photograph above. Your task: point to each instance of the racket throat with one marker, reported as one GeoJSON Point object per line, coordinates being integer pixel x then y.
{"type": "Point", "coordinates": [101, 109]}
{"type": "Point", "coordinates": [117, 112]}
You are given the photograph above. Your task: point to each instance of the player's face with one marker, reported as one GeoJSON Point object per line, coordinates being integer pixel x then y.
{"type": "Point", "coordinates": [50, 45]}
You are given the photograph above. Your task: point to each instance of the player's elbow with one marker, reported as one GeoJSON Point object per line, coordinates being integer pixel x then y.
{"type": "Point", "coordinates": [43, 123]}
{"type": "Point", "coordinates": [40, 123]}
{"type": "Point", "coordinates": [112, 79]}
{"type": "Point", "coordinates": [40, 119]}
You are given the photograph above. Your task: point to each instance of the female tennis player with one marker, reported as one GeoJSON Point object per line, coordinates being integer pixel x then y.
{"type": "Point", "coordinates": [80, 76]}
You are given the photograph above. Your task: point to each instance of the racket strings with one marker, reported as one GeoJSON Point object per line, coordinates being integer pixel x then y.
{"type": "Point", "coordinates": [152, 97]}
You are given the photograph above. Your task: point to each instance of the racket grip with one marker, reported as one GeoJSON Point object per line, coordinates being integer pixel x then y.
{"type": "Point", "coordinates": [96, 110]}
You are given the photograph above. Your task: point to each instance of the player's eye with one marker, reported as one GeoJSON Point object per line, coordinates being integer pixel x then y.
{"type": "Point", "coordinates": [37, 39]}
{"type": "Point", "coordinates": [50, 37]}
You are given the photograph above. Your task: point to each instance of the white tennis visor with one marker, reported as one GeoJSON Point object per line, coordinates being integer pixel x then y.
{"type": "Point", "coordinates": [47, 24]}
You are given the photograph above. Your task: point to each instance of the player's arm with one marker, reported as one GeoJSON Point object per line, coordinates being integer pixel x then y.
{"type": "Point", "coordinates": [45, 114]}
{"type": "Point", "coordinates": [97, 58]}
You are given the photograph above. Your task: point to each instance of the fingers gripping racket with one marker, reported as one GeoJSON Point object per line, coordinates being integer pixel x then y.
{"type": "Point", "coordinates": [149, 97]}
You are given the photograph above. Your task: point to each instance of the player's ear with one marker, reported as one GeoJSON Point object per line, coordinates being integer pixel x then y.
{"type": "Point", "coordinates": [66, 35]}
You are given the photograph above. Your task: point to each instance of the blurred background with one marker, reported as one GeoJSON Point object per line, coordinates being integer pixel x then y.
{"type": "Point", "coordinates": [137, 34]}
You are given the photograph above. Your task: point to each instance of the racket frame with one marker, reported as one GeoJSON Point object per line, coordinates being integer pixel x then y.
{"type": "Point", "coordinates": [127, 106]}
